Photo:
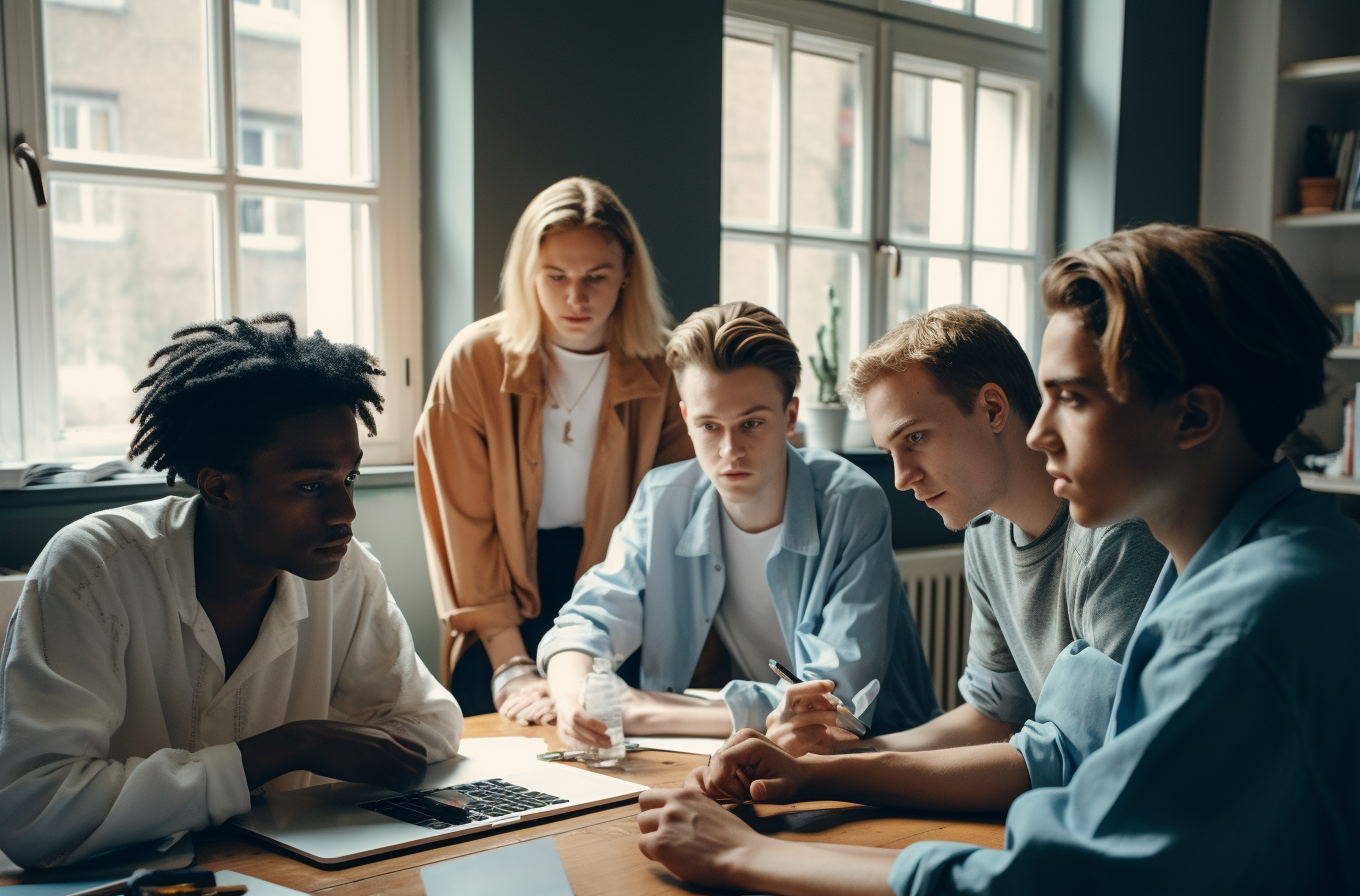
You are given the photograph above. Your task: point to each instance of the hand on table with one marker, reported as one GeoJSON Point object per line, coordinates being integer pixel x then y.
{"type": "Point", "coordinates": [805, 720]}
{"type": "Point", "coordinates": [751, 767]}
{"type": "Point", "coordinates": [363, 754]}
{"type": "Point", "coordinates": [578, 728]}
{"type": "Point", "coordinates": [527, 701]}
{"type": "Point", "coordinates": [691, 835]}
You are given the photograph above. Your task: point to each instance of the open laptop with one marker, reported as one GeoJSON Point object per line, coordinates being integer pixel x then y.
{"type": "Point", "coordinates": [483, 788]}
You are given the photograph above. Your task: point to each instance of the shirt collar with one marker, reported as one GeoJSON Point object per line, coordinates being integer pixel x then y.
{"type": "Point", "coordinates": [1260, 497]}
{"type": "Point", "coordinates": [800, 534]}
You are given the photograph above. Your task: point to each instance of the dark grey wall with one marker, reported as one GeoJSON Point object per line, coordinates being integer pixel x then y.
{"type": "Point", "coordinates": [1132, 115]}
{"type": "Point", "coordinates": [628, 93]}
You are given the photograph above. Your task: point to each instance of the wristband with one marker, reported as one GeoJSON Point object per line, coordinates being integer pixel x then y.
{"type": "Point", "coordinates": [515, 667]}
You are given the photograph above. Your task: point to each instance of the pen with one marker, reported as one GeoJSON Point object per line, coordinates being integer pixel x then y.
{"type": "Point", "coordinates": [844, 717]}
{"type": "Point", "coordinates": [558, 755]}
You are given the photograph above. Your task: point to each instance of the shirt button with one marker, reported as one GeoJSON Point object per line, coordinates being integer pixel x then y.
{"type": "Point", "coordinates": [707, 620]}
{"type": "Point", "coordinates": [717, 567]}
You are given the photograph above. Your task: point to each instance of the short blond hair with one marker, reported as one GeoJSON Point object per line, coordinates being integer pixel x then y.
{"type": "Point", "coordinates": [962, 347]}
{"type": "Point", "coordinates": [733, 336]}
{"type": "Point", "coordinates": [640, 322]}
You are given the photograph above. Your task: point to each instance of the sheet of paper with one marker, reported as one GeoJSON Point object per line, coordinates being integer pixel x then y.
{"type": "Point", "coordinates": [513, 750]}
{"type": "Point", "coordinates": [255, 886]}
{"type": "Point", "coordinates": [704, 746]}
{"type": "Point", "coordinates": [531, 868]}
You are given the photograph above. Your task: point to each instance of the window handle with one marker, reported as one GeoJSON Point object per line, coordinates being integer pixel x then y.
{"type": "Point", "coordinates": [24, 156]}
{"type": "Point", "coordinates": [890, 249]}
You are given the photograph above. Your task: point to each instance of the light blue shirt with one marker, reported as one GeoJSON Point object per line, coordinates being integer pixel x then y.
{"type": "Point", "coordinates": [1224, 756]}
{"type": "Point", "coordinates": [836, 587]}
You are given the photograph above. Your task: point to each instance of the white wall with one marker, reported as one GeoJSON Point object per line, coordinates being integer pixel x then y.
{"type": "Point", "coordinates": [389, 522]}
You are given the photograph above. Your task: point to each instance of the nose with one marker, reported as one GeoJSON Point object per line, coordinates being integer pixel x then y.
{"type": "Point", "coordinates": [1042, 435]}
{"type": "Point", "coordinates": [340, 509]}
{"type": "Point", "coordinates": [576, 294]}
{"type": "Point", "coordinates": [730, 446]}
{"type": "Point", "coordinates": [905, 473]}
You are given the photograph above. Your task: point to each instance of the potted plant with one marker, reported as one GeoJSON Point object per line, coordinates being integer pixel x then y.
{"type": "Point", "coordinates": [825, 418]}
{"type": "Point", "coordinates": [1317, 188]}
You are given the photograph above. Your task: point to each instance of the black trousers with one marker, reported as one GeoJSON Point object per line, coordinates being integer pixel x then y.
{"type": "Point", "coordinates": [559, 550]}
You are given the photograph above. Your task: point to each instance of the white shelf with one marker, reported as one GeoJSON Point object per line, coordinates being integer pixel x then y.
{"type": "Point", "coordinates": [1341, 485]}
{"type": "Point", "coordinates": [1345, 353]}
{"type": "Point", "coordinates": [1339, 70]}
{"type": "Point", "coordinates": [1321, 219]}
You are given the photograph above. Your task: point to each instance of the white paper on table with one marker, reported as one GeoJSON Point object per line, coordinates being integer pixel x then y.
{"type": "Point", "coordinates": [254, 886]}
{"type": "Point", "coordinates": [704, 746]}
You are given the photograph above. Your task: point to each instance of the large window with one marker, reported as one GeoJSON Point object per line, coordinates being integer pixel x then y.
{"type": "Point", "coordinates": [204, 158]}
{"type": "Point", "coordinates": [892, 161]}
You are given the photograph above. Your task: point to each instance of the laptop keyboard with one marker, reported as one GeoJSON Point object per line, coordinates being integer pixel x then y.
{"type": "Point", "coordinates": [492, 798]}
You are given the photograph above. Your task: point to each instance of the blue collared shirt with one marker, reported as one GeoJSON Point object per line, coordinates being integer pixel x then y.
{"type": "Point", "coordinates": [1224, 756]}
{"type": "Point", "coordinates": [837, 592]}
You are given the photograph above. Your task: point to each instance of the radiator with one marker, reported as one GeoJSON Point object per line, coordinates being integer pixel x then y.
{"type": "Point", "coordinates": [933, 578]}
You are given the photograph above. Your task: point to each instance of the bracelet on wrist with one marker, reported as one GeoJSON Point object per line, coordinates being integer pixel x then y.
{"type": "Point", "coordinates": [509, 673]}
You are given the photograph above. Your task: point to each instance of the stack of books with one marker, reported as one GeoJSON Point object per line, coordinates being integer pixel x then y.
{"type": "Point", "coordinates": [13, 476]}
{"type": "Point", "coordinates": [1345, 146]}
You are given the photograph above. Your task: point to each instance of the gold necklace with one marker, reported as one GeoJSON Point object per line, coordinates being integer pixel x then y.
{"type": "Point", "coordinates": [559, 402]}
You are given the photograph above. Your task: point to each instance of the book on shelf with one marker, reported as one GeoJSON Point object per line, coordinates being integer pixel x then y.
{"type": "Point", "coordinates": [1345, 157]}
{"type": "Point", "coordinates": [19, 475]}
{"type": "Point", "coordinates": [1348, 438]}
{"type": "Point", "coordinates": [1351, 421]}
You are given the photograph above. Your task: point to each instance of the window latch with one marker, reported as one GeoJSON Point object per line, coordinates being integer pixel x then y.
{"type": "Point", "coordinates": [25, 157]}
{"type": "Point", "coordinates": [890, 249]}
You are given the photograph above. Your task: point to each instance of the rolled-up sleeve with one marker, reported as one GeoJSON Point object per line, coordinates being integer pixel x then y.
{"type": "Point", "coordinates": [1072, 717]}
{"type": "Point", "coordinates": [604, 615]}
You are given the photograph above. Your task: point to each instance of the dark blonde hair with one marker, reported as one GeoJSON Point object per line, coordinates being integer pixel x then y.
{"type": "Point", "coordinates": [1174, 307]}
{"type": "Point", "coordinates": [640, 322]}
{"type": "Point", "coordinates": [963, 348]}
{"type": "Point", "coordinates": [733, 336]}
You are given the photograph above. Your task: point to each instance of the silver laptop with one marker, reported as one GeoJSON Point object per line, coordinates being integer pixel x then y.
{"type": "Point", "coordinates": [334, 823]}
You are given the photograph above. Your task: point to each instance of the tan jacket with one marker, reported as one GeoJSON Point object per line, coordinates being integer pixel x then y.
{"type": "Point", "coordinates": [480, 483]}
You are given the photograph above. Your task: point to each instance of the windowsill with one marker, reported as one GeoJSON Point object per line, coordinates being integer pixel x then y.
{"type": "Point", "coordinates": [149, 487]}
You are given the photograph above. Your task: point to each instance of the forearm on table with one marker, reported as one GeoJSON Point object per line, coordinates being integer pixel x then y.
{"type": "Point", "coordinates": [678, 714]}
{"type": "Point", "coordinates": [984, 778]}
{"type": "Point", "coordinates": [962, 726]}
{"type": "Point", "coordinates": [812, 869]}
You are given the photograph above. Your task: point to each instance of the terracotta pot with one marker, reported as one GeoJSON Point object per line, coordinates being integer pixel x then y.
{"type": "Point", "coordinates": [1318, 194]}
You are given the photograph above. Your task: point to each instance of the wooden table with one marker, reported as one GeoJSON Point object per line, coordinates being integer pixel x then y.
{"type": "Point", "coordinates": [598, 846]}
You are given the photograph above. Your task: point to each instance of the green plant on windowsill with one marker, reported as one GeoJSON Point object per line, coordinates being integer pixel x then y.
{"type": "Point", "coordinates": [826, 367]}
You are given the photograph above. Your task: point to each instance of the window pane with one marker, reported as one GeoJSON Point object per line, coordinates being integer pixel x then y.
{"type": "Point", "coordinates": [811, 271]}
{"type": "Point", "coordinates": [927, 158]}
{"type": "Point", "coordinates": [120, 289]}
{"type": "Point", "coordinates": [311, 259]}
{"type": "Point", "coordinates": [825, 135]}
{"type": "Point", "coordinates": [1014, 12]}
{"type": "Point", "coordinates": [133, 83]}
{"type": "Point", "coordinates": [1001, 203]}
{"type": "Point", "coordinates": [1000, 289]}
{"type": "Point", "coordinates": [748, 139]}
{"type": "Point", "coordinates": [925, 282]}
{"type": "Point", "coordinates": [300, 87]}
{"type": "Point", "coordinates": [748, 273]}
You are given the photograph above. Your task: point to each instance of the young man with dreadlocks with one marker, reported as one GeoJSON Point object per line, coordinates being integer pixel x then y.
{"type": "Point", "coordinates": [168, 658]}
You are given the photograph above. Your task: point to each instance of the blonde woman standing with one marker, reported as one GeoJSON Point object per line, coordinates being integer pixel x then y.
{"type": "Point", "coordinates": [540, 423]}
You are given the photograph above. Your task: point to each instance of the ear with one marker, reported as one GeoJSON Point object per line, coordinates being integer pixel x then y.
{"type": "Point", "coordinates": [1199, 413]}
{"type": "Point", "coordinates": [219, 488]}
{"type": "Point", "coordinates": [792, 412]}
{"type": "Point", "coordinates": [992, 401]}
{"type": "Point", "coordinates": [684, 413]}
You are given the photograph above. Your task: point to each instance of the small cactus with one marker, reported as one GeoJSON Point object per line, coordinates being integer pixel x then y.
{"type": "Point", "coordinates": [826, 367]}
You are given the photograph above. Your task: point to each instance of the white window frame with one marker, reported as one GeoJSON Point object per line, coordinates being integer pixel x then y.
{"type": "Point", "coordinates": [28, 364]}
{"type": "Point", "coordinates": [906, 32]}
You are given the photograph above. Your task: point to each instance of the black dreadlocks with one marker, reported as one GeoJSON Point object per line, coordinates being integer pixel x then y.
{"type": "Point", "coordinates": [225, 383]}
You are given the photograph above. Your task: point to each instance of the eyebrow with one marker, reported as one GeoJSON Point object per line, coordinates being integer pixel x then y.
{"type": "Point", "coordinates": [320, 465]}
{"type": "Point", "coordinates": [553, 267]}
{"type": "Point", "coordinates": [746, 413]}
{"type": "Point", "coordinates": [906, 423]}
{"type": "Point", "coordinates": [1059, 382]}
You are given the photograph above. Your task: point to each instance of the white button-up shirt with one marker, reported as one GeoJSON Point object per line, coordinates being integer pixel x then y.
{"type": "Point", "coordinates": [117, 723]}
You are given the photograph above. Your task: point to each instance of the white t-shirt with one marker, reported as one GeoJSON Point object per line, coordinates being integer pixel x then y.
{"type": "Point", "coordinates": [579, 383]}
{"type": "Point", "coordinates": [116, 725]}
{"type": "Point", "coordinates": [747, 622]}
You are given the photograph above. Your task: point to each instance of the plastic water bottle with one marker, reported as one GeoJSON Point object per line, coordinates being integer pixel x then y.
{"type": "Point", "coordinates": [604, 701]}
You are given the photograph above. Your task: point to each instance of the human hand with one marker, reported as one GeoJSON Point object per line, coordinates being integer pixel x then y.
{"type": "Point", "coordinates": [527, 700]}
{"type": "Point", "coordinates": [751, 767]}
{"type": "Point", "coordinates": [578, 728]}
{"type": "Point", "coordinates": [691, 835]}
{"type": "Point", "coordinates": [805, 720]}
{"type": "Point", "coordinates": [360, 753]}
